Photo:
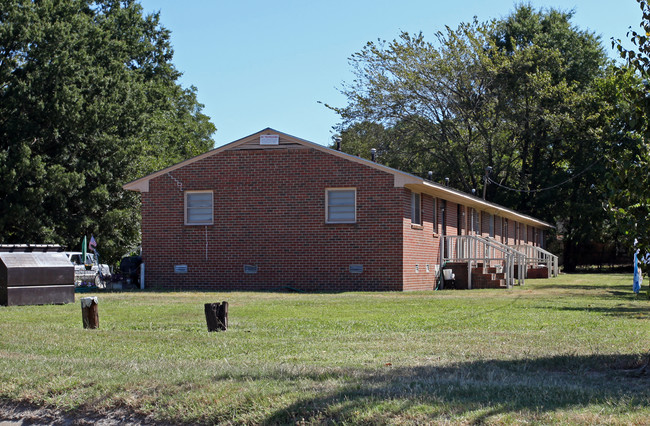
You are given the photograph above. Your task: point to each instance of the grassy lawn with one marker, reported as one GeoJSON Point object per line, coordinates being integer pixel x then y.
{"type": "Point", "coordinates": [553, 351]}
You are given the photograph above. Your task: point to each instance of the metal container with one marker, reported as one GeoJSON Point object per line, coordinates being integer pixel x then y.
{"type": "Point", "coordinates": [29, 248]}
{"type": "Point", "coordinates": [35, 278]}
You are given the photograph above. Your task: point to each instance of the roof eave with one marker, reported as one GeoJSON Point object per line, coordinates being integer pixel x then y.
{"type": "Point", "coordinates": [401, 179]}
{"type": "Point", "coordinates": [474, 202]}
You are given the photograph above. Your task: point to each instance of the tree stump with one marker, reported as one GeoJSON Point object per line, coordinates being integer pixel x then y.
{"type": "Point", "coordinates": [216, 316]}
{"type": "Point", "coordinates": [89, 312]}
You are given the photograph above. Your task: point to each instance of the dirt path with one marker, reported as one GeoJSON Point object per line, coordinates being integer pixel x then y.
{"type": "Point", "coordinates": [12, 414]}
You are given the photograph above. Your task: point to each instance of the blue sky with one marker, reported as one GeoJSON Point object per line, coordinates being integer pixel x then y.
{"type": "Point", "coordinates": [260, 64]}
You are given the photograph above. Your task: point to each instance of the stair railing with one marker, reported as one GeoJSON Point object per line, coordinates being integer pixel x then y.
{"type": "Point", "coordinates": [536, 256]}
{"type": "Point", "coordinates": [474, 249]}
{"type": "Point", "coordinates": [519, 256]}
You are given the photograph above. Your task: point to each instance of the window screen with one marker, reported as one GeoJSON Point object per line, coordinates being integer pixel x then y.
{"type": "Point", "coordinates": [198, 208]}
{"type": "Point", "coordinates": [341, 206]}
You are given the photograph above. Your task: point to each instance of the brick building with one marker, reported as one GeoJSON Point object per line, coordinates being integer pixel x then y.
{"type": "Point", "coordinates": [271, 211]}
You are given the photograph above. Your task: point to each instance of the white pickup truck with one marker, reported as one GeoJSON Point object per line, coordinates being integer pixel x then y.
{"type": "Point", "coordinates": [88, 270]}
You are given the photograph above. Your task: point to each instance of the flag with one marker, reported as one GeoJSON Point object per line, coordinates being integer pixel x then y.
{"type": "Point", "coordinates": [638, 277]}
{"type": "Point", "coordinates": [92, 245]}
{"type": "Point", "coordinates": [83, 250]}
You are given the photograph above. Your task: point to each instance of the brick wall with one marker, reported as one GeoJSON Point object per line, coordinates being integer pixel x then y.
{"type": "Point", "coordinates": [269, 212]}
{"type": "Point", "coordinates": [421, 246]}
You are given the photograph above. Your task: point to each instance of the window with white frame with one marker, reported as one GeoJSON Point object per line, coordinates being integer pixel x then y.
{"type": "Point", "coordinates": [341, 205]}
{"type": "Point", "coordinates": [199, 208]}
{"type": "Point", "coordinates": [416, 208]}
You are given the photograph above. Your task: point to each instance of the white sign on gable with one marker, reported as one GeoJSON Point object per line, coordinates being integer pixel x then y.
{"type": "Point", "coordinates": [269, 140]}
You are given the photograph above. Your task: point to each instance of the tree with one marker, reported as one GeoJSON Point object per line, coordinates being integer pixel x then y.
{"type": "Point", "coordinates": [629, 179]}
{"type": "Point", "coordinates": [431, 99]}
{"type": "Point", "coordinates": [526, 95]}
{"type": "Point", "coordinates": [89, 100]}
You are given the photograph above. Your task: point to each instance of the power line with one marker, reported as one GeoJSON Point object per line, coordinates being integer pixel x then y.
{"type": "Point", "coordinates": [528, 191]}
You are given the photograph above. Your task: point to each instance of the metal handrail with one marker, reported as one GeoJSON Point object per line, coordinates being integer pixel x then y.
{"type": "Point", "coordinates": [520, 258]}
{"type": "Point", "coordinates": [472, 249]}
{"type": "Point", "coordinates": [536, 255]}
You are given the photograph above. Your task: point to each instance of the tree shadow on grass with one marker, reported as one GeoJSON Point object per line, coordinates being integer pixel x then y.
{"type": "Point", "coordinates": [624, 288]}
{"type": "Point", "coordinates": [472, 392]}
{"type": "Point", "coordinates": [623, 291]}
{"type": "Point", "coordinates": [631, 312]}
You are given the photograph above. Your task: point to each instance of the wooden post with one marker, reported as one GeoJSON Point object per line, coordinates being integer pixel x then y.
{"type": "Point", "coordinates": [211, 316]}
{"type": "Point", "coordinates": [216, 316]}
{"type": "Point", "coordinates": [222, 314]}
{"type": "Point", "coordinates": [89, 312]}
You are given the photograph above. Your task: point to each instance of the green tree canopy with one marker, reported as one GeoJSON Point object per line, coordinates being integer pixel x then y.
{"type": "Point", "coordinates": [89, 100]}
{"type": "Point", "coordinates": [629, 179]}
{"type": "Point", "coordinates": [530, 95]}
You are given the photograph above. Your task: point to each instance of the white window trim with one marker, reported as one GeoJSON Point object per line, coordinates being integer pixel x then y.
{"type": "Point", "coordinates": [211, 222]}
{"type": "Point", "coordinates": [327, 202]}
{"type": "Point", "coordinates": [415, 195]}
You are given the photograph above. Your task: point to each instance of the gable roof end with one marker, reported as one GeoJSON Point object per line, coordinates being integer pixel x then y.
{"type": "Point", "coordinates": [401, 179]}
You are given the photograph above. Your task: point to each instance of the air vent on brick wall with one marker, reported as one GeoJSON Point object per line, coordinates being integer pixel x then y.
{"type": "Point", "coordinates": [250, 269]}
{"type": "Point", "coordinates": [356, 269]}
{"type": "Point", "coordinates": [269, 140]}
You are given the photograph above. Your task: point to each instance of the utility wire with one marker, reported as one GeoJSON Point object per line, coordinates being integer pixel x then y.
{"type": "Point", "coordinates": [528, 191]}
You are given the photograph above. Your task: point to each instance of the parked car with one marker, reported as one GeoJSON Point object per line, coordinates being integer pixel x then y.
{"type": "Point", "coordinates": [88, 271]}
